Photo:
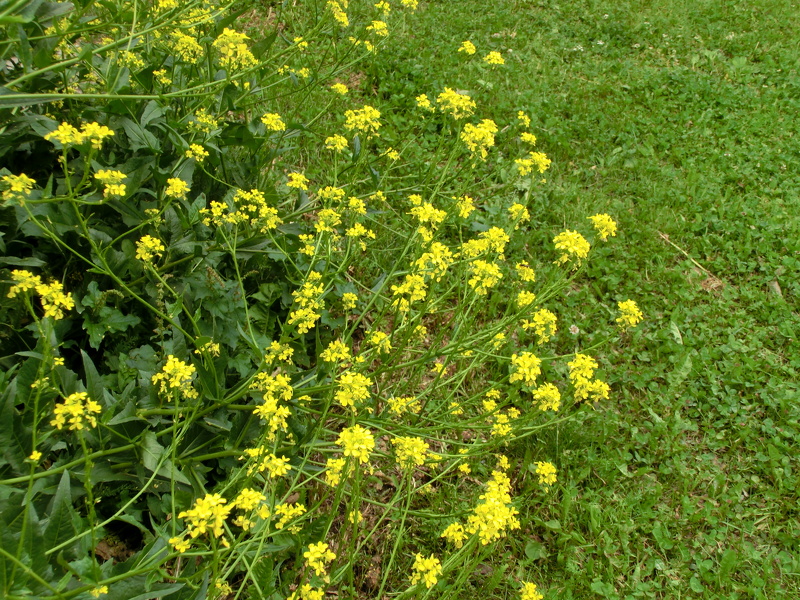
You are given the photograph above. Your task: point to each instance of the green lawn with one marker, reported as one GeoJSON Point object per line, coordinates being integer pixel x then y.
{"type": "Point", "coordinates": [681, 120]}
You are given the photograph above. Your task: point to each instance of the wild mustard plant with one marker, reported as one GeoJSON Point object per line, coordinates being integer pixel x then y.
{"type": "Point", "coordinates": [271, 311]}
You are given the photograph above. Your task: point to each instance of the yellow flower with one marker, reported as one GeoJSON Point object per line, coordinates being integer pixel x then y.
{"type": "Point", "coordinates": [66, 135]}
{"type": "Point", "coordinates": [338, 12]}
{"type": "Point", "coordinates": [207, 515]}
{"type": "Point", "coordinates": [543, 325]}
{"type": "Point", "coordinates": [186, 47]}
{"type": "Point", "coordinates": [483, 276]}
{"type": "Point", "coordinates": [176, 375]}
{"type": "Point", "coordinates": [35, 456]}
{"type": "Point", "coordinates": [365, 120]}
{"type": "Point", "coordinates": [495, 514]}
{"type": "Point", "coordinates": [234, 53]}
{"type": "Point", "coordinates": [24, 281]}
{"type": "Point", "coordinates": [411, 451]}
{"type": "Point", "coordinates": [179, 544]}
{"type": "Point", "coordinates": [538, 160]}
{"type": "Point", "coordinates": [288, 513]}
{"type": "Point", "coordinates": [297, 181]}
{"type": "Point", "coordinates": [356, 442]}
{"type": "Point", "coordinates": [379, 28]}
{"type": "Point", "coordinates": [197, 152]}
{"type": "Point", "coordinates": [604, 225]}
{"type": "Point", "coordinates": [457, 105]}
{"type": "Point", "coordinates": [523, 119]}
{"type": "Point", "coordinates": [99, 591]}
{"type": "Point", "coordinates": [548, 397]}
{"type": "Point", "coordinates": [80, 411]}
{"type": "Point", "coordinates": [454, 533]}
{"type": "Point", "coordinates": [629, 314]}
{"type": "Point", "coordinates": [273, 122]}
{"type": "Point", "coordinates": [527, 368]}
{"type": "Point", "coordinates": [333, 473]}
{"type": "Point", "coordinates": [162, 77]}
{"type": "Point", "coordinates": [202, 121]}
{"type": "Point", "coordinates": [339, 88]}
{"type": "Point", "coordinates": [112, 180]}
{"type": "Point", "coordinates": [467, 47]}
{"type": "Point", "coordinates": [525, 272]}
{"type": "Point", "coordinates": [525, 298]}
{"type": "Point", "coordinates": [528, 592]}
{"type": "Point", "coordinates": [353, 389]}
{"type": "Point", "coordinates": [19, 186]}
{"type": "Point", "coordinates": [318, 556]}
{"type": "Point", "coordinates": [573, 247]}
{"type": "Point", "coordinates": [426, 570]}
{"type": "Point", "coordinates": [528, 138]}
{"type": "Point", "coordinates": [546, 472]}
{"type": "Point", "coordinates": [494, 58]}
{"type": "Point", "coordinates": [424, 103]}
{"type": "Point", "coordinates": [519, 214]}
{"type": "Point", "coordinates": [380, 341]}
{"type": "Point", "coordinates": [400, 404]}
{"type": "Point", "coordinates": [480, 137]}
{"type": "Point", "coordinates": [336, 351]}
{"type": "Point", "coordinates": [349, 301]}
{"type": "Point", "coordinates": [176, 188]}
{"type": "Point", "coordinates": [54, 300]}
{"type": "Point", "coordinates": [337, 143]}
{"type": "Point", "coordinates": [148, 248]}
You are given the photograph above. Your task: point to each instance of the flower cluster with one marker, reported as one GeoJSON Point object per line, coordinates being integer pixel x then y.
{"type": "Point", "coordinates": [479, 138]}
{"type": "Point", "coordinates": [537, 160]}
{"type": "Point", "coordinates": [456, 105]}
{"type": "Point", "coordinates": [318, 556]}
{"type": "Point", "coordinates": [112, 182]}
{"type": "Point", "coordinates": [356, 442]}
{"type": "Point", "coordinates": [581, 372]}
{"type": "Point", "coordinates": [426, 570]}
{"type": "Point", "coordinates": [79, 409]}
{"type": "Point", "coordinates": [548, 397]}
{"type": "Point", "coordinates": [353, 389]}
{"type": "Point", "coordinates": [207, 515]}
{"type": "Point", "coordinates": [248, 208]}
{"type": "Point", "coordinates": [410, 451]}
{"type": "Point", "coordinates": [309, 303]}
{"type": "Point", "coordinates": [52, 296]}
{"type": "Point", "coordinates": [629, 314]}
{"type": "Point", "coordinates": [543, 323]}
{"type": "Point", "coordinates": [274, 389]}
{"type": "Point", "coordinates": [573, 247]}
{"type": "Point", "coordinates": [67, 135]}
{"type": "Point", "coordinates": [364, 120]}
{"type": "Point", "coordinates": [546, 472]}
{"type": "Point", "coordinates": [495, 515]}
{"type": "Point", "coordinates": [604, 225]}
{"type": "Point", "coordinates": [176, 375]}
{"type": "Point", "coordinates": [17, 186]}
{"type": "Point", "coordinates": [233, 51]}
{"type": "Point", "coordinates": [527, 368]}
{"type": "Point", "coordinates": [148, 247]}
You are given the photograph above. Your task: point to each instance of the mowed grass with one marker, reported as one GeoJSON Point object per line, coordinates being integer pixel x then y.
{"type": "Point", "coordinates": [680, 119]}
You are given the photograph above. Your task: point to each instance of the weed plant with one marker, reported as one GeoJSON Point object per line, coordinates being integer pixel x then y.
{"type": "Point", "coordinates": [256, 318]}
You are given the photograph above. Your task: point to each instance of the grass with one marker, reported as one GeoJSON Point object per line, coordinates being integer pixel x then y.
{"type": "Point", "coordinates": [678, 119]}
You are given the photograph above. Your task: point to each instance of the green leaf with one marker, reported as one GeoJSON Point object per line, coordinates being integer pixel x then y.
{"type": "Point", "coordinates": [727, 563]}
{"type": "Point", "coordinates": [139, 137]}
{"type": "Point", "coordinates": [154, 458]}
{"type": "Point", "coordinates": [662, 536]}
{"type": "Point", "coordinates": [59, 526]}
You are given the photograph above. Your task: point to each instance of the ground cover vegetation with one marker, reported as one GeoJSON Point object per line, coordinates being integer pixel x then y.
{"type": "Point", "coordinates": [297, 304]}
